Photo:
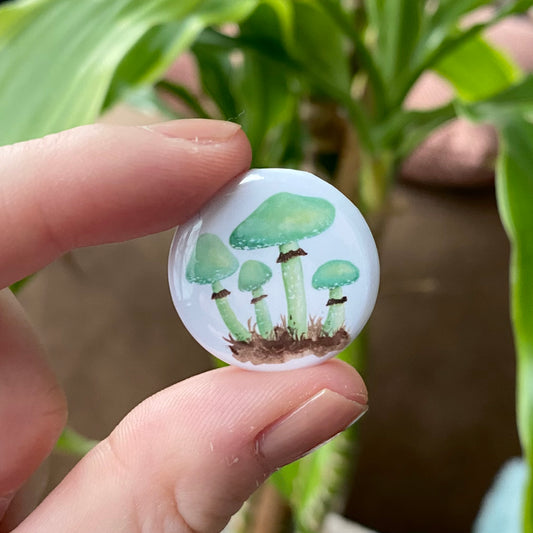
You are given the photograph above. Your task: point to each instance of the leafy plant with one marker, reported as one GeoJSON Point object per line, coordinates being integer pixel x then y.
{"type": "Point", "coordinates": [275, 69]}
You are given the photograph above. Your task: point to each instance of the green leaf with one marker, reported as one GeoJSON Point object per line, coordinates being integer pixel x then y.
{"type": "Point", "coordinates": [444, 20]}
{"type": "Point", "coordinates": [441, 36]}
{"type": "Point", "coordinates": [263, 91]}
{"type": "Point", "coordinates": [265, 99]}
{"type": "Point", "coordinates": [285, 478]}
{"type": "Point", "coordinates": [148, 101]}
{"type": "Point", "coordinates": [441, 33]}
{"type": "Point", "coordinates": [477, 70]}
{"type": "Point", "coordinates": [284, 11]}
{"type": "Point", "coordinates": [320, 45]}
{"type": "Point", "coordinates": [514, 185]}
{"type": "Point", "coordinates": [284, 145]}
{"type": "Point", "coordinates": [405, 130]}
{"type": "Point", "coordinates": [149, 58]}
{"type": "Point", "coordinates": [316, 484]}
{"type": "Point", "coordinates": [397, 24]}
{"type": "Point", "coordinates": [303, 75]}
{"type": "Point", "coordinates": [74, 443]}
{"type": "Point", "coordinates": [517, 98]}
{"type": "Point", "coordinates": [18, 285]}
{"type": "Point", "coordinates": [346, 24]}
{"type": "Point", "coordinates": [247, 82]}
{"type": "Point", "coordinates": [185, 95]}
{"type": "Point", "coordinates": [58, 58]}
{"type": "Point", "coordinates": [216, 72]}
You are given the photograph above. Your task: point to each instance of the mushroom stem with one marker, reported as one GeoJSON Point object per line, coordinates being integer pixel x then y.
{"type": "Point", "coordinates": [262, 315]}
{"type": "Point", "coordinates": [237, 330]}
{"type": "Point", "coordinates": [335, 318]}
{"type": "Point", "coordinates": [293, 280]}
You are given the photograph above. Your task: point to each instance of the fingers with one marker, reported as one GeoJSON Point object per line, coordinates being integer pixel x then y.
{"type": "Point", "coordinates": [101, 183]}
{"type": "Point", "coordinates": [32, 407]}
{"type": "Point", "coordinates": [187, 458]}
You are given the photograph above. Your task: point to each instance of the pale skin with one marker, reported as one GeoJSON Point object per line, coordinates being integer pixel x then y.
{"type": "Point", "coordinates": [170, 464]}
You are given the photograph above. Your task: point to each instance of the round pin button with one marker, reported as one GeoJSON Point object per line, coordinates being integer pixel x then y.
{"type": "Point", "coordinates": [278, 271]}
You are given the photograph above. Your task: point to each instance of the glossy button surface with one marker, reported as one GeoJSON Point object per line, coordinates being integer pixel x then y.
{"type": "Point", "coordinates": [278, 271]}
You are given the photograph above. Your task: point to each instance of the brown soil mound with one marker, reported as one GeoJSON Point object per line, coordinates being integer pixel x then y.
{"type": "Point", "coordinates": [283, 347]}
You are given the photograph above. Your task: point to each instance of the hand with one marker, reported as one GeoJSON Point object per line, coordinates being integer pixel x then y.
{"type": "Point", "coordinates": [188, 457]}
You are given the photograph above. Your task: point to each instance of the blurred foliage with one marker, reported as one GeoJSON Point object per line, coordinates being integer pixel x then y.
{"type": "Point", "coordinates": [515, 195]}
{"type": "Point", "coordinates": [296, 74]}
{"type": "Point", "coordinates": [73, 443]}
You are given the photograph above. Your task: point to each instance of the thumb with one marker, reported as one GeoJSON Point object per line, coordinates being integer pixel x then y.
{"type": "Point", "coordinates": [187, 458]}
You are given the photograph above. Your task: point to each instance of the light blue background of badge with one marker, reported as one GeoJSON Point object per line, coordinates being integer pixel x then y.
{"type": "Point", "coordinates": [348, 238]}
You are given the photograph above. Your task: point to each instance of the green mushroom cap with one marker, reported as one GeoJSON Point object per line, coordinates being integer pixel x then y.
{"type": "Point", "coordinates": [253, 274]}
{"type": "Point", "coordinates": [283, 218]}
{"type": "Point", "coordinates": [335, 273]}
{"type": "Point", "coordinates": [211, 261]}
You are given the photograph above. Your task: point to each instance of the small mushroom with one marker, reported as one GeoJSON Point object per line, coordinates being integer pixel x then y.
{"type": "Point", "coordinates": [282, 220]}
{"type": "Point", "coordinates": [252, 276]}
{"type": "Point", "coordinates": [333, 275]}
{"type": "Point", "coordinates": [211, 262]}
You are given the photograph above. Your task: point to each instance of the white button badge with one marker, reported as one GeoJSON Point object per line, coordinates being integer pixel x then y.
{"type": "Point", "coordinates": [278, 271]}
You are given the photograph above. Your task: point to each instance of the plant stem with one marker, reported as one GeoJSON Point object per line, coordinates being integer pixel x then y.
{"type": "Point", "coordinates": [262, 315]}
{"type": "Point", "coordinates": [293, 280]}
{"type": "Point", "coordinates": [237, 330]}
{"type": "Point", "coordinates": [365, 177]}
{"type": "Point", "coordinates": [514, 189]}
{"type": "Point", "coordinates": [335, 318]}
{"type": "Point", "coordinates": [364, 55]}
{"type": "Point", "coordinates": [376, 174]}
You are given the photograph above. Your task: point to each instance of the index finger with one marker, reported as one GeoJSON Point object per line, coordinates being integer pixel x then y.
{"type": "Point", "coordinates": [99, 184]}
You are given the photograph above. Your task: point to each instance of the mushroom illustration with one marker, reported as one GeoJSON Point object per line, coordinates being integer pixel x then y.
{"type": "Point", "coordinates": [282, 220]}
{"type": "Point", "coordinates": [333, 275]}
{"type": "Point", "coordinates": [211, 262]}
{"type": "Point", "coordinates": [252, 276]}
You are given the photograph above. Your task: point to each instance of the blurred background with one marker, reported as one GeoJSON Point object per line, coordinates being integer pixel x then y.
{"type": "Point", "coordinates": [440, 373]}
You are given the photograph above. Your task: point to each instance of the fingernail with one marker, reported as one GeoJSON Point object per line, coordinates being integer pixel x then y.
{"type": "Point", "coordinates": [200, 131]}
{"type": "Point", "coordinates": [313, 423]}
{"type": "Point", "coordinates": [5, 500]}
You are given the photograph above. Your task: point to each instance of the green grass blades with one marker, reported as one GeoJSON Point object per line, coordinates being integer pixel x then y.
{"type": "Point", "coordinates": [515, 201]}
{"type": "Point", "coordinates": [58, 58]}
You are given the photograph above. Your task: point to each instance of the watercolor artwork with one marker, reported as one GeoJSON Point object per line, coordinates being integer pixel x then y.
{"type": "Point", "coordinates": [281, 221]}
{"type": "Point", "coordinates": [278, 276]}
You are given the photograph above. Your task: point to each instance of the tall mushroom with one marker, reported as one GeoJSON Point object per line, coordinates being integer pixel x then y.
{"type": "Point", "coordinates": [252, 276]}
{"type": "Point", "coordinates": [333, 275]}
{"type": "Point", "coordinates": [282, 220]}
{"type": "Point", "coordinates": [211, 262]}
